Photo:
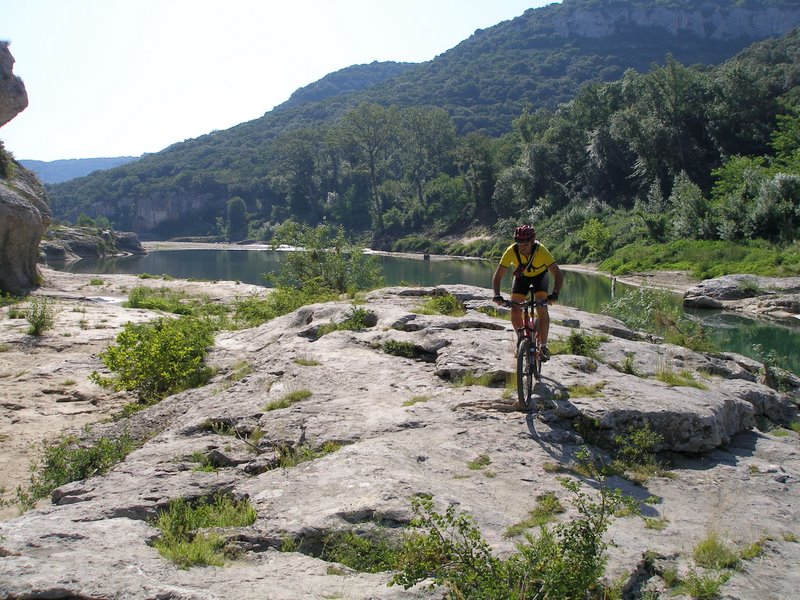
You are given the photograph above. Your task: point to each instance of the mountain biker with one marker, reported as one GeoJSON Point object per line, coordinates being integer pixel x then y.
{"type": "Point", "coordinates": [533, 262]}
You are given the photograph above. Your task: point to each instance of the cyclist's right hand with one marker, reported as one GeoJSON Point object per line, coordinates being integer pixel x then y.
{"type": "Point", "coordinates": [499, 300]}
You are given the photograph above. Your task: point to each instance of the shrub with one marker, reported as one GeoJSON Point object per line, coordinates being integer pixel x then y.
{"type": "Point", "coordinates": [41, 315]}
{"type": "Point", "coordinates": [254, 310]}
{"type": "Point", "coordinates": [635, 452]}
{"type": "Point", "coordinates": [325, 260]}
{"type": "Point", "coordinates": [369, 553]}
{"type": "Point", "coordinates": [158, 358]}
{"type": "Point", "coordinates": [655, 311]}
{"type": "Point", "coordinates": [579, 343]}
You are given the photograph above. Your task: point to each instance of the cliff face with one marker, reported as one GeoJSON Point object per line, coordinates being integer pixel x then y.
{"type": "Point", "coordinates": [705, 21]}
{"type": "Point", "coordinates": [24, 213]}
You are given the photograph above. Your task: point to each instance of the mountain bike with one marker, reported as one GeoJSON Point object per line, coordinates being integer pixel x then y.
{"type": "Point", "coordinates": [529, 355]}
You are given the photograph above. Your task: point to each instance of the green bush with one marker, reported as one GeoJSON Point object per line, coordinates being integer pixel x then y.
{"type": "Point", "coordinates": [158, 358]}
{"type": "Point", "coordinates": [656, 311]}
{"type": "Point", "coordinates": [41, 315]}
{"type": "Point", "coordinates": [252, 311]}
{"type": "Point", "coordinates": [325, 260]}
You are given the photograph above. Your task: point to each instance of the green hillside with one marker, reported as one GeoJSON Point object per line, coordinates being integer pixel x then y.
{"type": "Point", "coordinates": [501, 127]}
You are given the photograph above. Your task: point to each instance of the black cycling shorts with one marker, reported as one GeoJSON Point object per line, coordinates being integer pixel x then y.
{"type": "Point", "coordinates": [522, 285]}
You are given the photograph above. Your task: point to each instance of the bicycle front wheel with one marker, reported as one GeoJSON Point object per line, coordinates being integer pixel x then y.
{"type": "Point", "coordinates": [536, 361]}
{"type": "Point", "coordinates": [524, 372]}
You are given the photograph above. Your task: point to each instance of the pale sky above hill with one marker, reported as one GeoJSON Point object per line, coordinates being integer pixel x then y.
{"type": "Point", "coordinates": [124, 77]}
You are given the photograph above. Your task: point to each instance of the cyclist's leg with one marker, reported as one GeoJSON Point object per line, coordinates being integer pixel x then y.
{"type": "Point", "coordinates": [519, 293]}
{"type": "Point", "coordinates": [540, 285]}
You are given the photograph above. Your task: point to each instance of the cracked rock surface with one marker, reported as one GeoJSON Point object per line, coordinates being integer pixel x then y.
{"type": "Point", "coordinates": [406, 426]}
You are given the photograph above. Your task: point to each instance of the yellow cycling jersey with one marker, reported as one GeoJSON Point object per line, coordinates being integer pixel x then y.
{"type": "Point", "coordinates": [541, 259]}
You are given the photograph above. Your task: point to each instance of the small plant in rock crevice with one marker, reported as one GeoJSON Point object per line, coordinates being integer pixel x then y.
{"type": "Point", "coordinates": [69, 460]}
{"type": "Point", "coordinates": [446, 304]}
{"type": "Point", "coordinates": [181, 540]}
{"type": "Point", "coordinates": [403, 349]}
{"type": "Point", "coordinates": [288, 399]}
{"type": "Point", "coordinates": [358, 320]}
{"type": "Point", "coordinates": [547, 507]}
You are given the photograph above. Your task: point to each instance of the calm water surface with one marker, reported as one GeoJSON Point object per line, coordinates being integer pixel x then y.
{"type": "Point", "coordinates": [585, 291]}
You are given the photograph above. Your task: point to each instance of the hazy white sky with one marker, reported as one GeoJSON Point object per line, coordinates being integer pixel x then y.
{"type": "Point", "coordinates": [124, 77]}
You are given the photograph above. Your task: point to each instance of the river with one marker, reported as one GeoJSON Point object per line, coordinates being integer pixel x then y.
{"type": "Point", "coordinates": [589, 292]}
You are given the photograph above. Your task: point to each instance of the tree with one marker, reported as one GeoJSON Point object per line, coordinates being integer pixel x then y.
{"type": "Point", "coordinates": [691, 212]}
{"type": "Point", "coordinates": [296, 175]}
{"type": "Point", "coordinates": [370, 130]}
{"type": "Point", "coordinates": [237, 219]}
{"type": "Point", "coordinates": [428, 137]}
{"type": "Point", "coordinates": [475, 160]}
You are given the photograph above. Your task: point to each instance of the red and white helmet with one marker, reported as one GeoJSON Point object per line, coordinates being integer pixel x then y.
{"type": "Point", "coordinates": [524, 233]}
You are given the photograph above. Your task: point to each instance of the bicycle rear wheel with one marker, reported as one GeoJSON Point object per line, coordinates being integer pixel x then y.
{"type": "Point", "coordinates": [524, 372]}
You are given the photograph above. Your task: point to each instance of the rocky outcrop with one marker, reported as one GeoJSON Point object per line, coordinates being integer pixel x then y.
{"type": "Point", "coordinates": [24, 216]}
{"type": "Point", "coordinates": [24, 213]}
{"type": "Point", "coordinates": [408, 425]}
{"type": "Point", "coordinates": [768, 296]}
{"type": "Point", "coordinates": [72, 243]}
{"type": "Point", "coordinates": [704, 20]}
{"type": "Point", "coordinates": [13, 97]}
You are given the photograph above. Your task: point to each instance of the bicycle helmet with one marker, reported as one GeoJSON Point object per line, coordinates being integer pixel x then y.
{"type": "Point", "coordinates": [524, 233]}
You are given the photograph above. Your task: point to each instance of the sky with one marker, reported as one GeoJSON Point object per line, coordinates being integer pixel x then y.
{"type": "Point", "coordinates": [112, 78]}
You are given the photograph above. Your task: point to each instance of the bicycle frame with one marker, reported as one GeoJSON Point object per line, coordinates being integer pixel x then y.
{"type": "Point", "coordinates": [529, 358]}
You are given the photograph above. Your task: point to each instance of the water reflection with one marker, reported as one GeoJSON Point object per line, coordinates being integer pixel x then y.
{"type": "Point", "coordinates": [584, 291]}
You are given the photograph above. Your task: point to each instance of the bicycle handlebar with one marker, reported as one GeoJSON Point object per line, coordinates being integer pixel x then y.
{"type": "Point", "coordinates": [510, 303]}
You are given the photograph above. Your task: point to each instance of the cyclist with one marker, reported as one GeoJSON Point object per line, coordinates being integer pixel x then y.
{"type": "Point", "coordinates": [532, 263]}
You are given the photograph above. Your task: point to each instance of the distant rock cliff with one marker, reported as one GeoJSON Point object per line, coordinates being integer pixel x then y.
{"type": "Point", "coordinates": [704, 20]}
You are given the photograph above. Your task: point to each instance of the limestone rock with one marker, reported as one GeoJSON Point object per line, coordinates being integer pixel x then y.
{"type": "Point", "coordinates": [405, 426]}
{"type": "Point", "coordinates": [24, 214]}
{"type": "Point", "coordinates": [70, 243]}
{"type": "Point", "coordinates": [13, 97]}
{"type": "Point", "coordinates": [769, 296]}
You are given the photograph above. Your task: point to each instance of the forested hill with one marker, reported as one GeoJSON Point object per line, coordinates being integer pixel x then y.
{"type": "Point", "coordinates": [305, 160]}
